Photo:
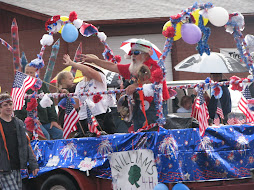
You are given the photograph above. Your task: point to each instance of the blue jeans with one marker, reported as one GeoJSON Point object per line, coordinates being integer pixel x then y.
{"type": "Point", "coordinates": [54, 132]}
{"type": "Point", "coordinates": [45, 132]}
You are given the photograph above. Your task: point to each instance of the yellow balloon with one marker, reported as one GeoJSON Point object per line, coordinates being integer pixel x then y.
{"type": "Point", "coordinates": [63, 18]}
{"type": "Point", "coordinates": [178, 34]}
{"type": "Point", "coordinates": [196, 16]}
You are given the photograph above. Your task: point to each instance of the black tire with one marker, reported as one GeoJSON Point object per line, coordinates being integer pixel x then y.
{"type": "Point", "coordinates": [58, 182]}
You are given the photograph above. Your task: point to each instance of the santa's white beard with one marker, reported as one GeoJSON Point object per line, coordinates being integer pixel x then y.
{"type": "Point", "coordinates": [134, 67]}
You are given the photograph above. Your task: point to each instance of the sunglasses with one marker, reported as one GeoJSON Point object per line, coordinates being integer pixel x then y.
{"type": "Point", "coordinates": [136, 52]}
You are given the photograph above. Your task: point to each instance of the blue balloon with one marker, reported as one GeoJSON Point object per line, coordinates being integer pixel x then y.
{"type": "Point", "coordinates": [160, 186]}
{"type": "Point", "coordinates": [180, 186]}
{"type": "Point", "coordinates": [69, 33]}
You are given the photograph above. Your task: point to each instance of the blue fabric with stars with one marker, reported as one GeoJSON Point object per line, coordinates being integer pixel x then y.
{"type": "Point", "coordinates": [180, 154]}
{"type": "Point", "coordinates": [19, 80]}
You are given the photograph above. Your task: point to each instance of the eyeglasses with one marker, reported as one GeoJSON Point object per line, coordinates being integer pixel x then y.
{"type": "Point", "coordinates": [136, 52]}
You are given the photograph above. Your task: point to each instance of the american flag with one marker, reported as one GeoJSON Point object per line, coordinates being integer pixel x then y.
{"type": "Point", "coordinates": [203, 114]}
{"type": "Point", "coordinates": [219, 110]}
{"type": "Point", "coordinates": [92, 122]}
{"type": "Point", "coordinates": [21, 84]}
{"type": "Point", "coordinates": [243, 105]}
{"type": "Point", "coordinates": [71, 118]}
{"type": "Point", "coordinates": [194, 111]}
{"type": "Point", "coordinates": [240, 120]}
{"type": "Point", "coordinates": [231, 119]}
{"type": "Point", "coordinates": [216, 120]}
{"type": "Point", "coordinates": [37, 128]}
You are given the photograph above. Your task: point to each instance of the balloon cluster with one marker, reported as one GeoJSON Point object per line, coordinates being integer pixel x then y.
{"type": "Point", "coordinates": [178, 186]}
{"type": "Point", "coordinates": [186, 24]}
{"type": "Point", "coordinates": [66, 26]}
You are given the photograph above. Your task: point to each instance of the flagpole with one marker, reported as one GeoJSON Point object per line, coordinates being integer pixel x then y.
{"type": "Point", "coordinates": [81, 128]}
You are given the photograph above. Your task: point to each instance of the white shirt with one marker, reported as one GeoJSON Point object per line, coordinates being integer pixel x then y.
{"type": "Point", "coordinates": [91, 86]}
{"type": "Point", "coordinates": [183, 110]}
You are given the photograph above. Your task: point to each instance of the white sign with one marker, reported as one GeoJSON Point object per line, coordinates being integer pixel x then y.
{"type": "Point", "coordinates": [231, 52]}
{"type": "Point", "coordinates": [234, 53]}
{"type": "Point", "coordinates": [135, 169]}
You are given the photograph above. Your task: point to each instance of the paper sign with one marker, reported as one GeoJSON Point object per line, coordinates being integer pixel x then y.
{"type": "Point", "coordinates": [134, 169]}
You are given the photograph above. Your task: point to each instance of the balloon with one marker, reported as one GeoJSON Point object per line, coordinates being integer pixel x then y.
{"type": "Point", "coordinates": [218, 16]}
{"type": "Point", "coordinates": [69, 33]}
{"type": "Point", "coordinates": [160, 186]}
{"type": "Point", "coordinates": [178, 29]}
{"type": "Point", "coordinates": [191, 33]}
{"type": "Point", "coordinates": [180, 186]}
{"type": "Point", "coordinates": [249, 39]}
{"type": "Point", "coordinates": [63, 18]}
{"type": "Point", "coordinates": [196, 16]}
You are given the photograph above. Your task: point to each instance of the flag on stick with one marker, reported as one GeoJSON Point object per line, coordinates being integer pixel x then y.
{"type": "Point", "coordinates": [240, 120]}
{"type": "Point", "coordinates": [231, 119]}
{"type": "Point", "coordinates": [243, 105]}
{"type": "Point", "coordinates": [21, 84]}
{"type": "Point", "coordinates": [71, 118]}
{"type": "Point", "coordinates": [203, 114]}
{"type": "Point", "coordinates": [216, 120]}
{"type": "Point", "coordinates": [219, 110]}
{"type": "Point", "coordinates": [92, 122]}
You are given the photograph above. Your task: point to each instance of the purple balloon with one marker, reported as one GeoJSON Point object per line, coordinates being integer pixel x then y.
{"type": "Point", "coordinates": [191, 33]}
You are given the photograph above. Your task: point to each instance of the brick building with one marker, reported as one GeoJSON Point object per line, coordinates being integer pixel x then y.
{"type": "Point", "coordinates": [119, 20]}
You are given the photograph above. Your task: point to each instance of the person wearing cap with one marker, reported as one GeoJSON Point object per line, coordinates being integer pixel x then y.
{"type": "Point", "coordinates": [140, 53]}
{"type": "Point", "coordinates": [15, 149]}
{"type": "Point", "coordinates": [94, 81]}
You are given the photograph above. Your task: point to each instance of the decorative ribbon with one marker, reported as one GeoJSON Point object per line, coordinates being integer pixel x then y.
{"type": "Point", "coordinates": [141, 96]}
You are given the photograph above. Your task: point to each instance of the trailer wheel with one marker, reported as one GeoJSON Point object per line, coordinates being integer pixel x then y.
{"type": "Point", "coordinates": [58, 182]}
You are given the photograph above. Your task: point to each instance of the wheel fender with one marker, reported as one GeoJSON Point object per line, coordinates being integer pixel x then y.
{"type": "Point", "coordinates": [83, 181]}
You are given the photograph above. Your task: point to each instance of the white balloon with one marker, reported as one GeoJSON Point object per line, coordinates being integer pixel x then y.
{"type": "Point", "coordinates": [218, 16]}
{"type": "Point", "coordinates": [249, 39]}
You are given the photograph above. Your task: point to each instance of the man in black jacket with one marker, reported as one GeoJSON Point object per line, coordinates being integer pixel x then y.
{"type": "Point", "coordinates": [15, 149]}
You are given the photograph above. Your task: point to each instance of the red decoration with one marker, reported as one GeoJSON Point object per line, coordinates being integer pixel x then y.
{"type": "Point", "coordinates": [52, 20]}
{"type": "Point", "coordinates": [234, 85]}
{"type": "Point", "coordinates": [169, 32]}
{"type": "Point", "coordinates": [110, 56]}
{"type": "Point", "coordinates": [118, 58]}
{"type": "Point", "coordinates": [29, 124]}
{"type": "Point", "coordinates": [172, 93]}
{"type": "Point", "coordinates": [97, 98]}
{"type": "Point", "coordinates": [193, 20]}
{"type": "Point", "coordinates": [32, 104]}
{"type": "Point", "coordinates": [148, 98]}
{"type": "Point", "coordinates": [217, 91]}
{"type": "Point", "coordinates": [175, 17]}
{"type": "Point", "coordinates": [157, 75]}
{"type": "Point", "coordinates": [73, 16]}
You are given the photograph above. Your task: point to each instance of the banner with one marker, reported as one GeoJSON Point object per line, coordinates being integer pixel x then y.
{"type": "Point", "coordinates": [135, 169]}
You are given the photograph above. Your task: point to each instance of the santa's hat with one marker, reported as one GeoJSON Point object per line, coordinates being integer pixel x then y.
{"type": "Point", "coordinates": [140, 45]}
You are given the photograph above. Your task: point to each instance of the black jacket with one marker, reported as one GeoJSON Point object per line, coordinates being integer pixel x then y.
{"type": "Point", "coordinates": [26, 154]}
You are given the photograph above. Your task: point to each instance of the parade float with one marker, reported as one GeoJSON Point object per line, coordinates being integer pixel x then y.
{"type": "Point", "coordinates": [202, 158]}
